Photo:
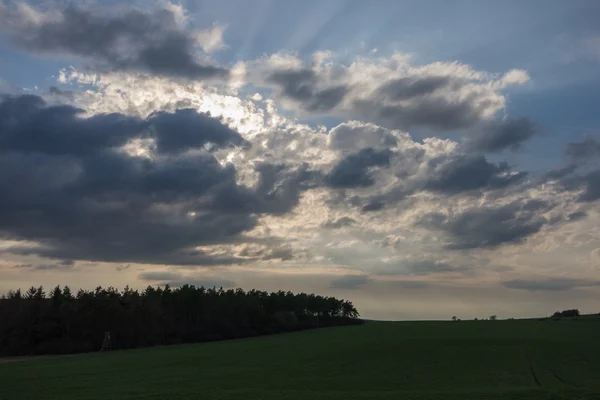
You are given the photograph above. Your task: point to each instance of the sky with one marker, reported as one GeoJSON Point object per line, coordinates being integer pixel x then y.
{"type": "Point", "coordinates": [423, 159]}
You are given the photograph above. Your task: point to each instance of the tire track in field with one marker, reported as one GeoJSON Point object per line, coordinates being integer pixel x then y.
{"type": "Point", "coordinates": [558, 378]}
{"type": "Point", "coordinates": [530, 364]}
{"type": "Point", "coordinates": [561, 380]}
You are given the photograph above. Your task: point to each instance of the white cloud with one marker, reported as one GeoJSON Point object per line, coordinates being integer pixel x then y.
{"type": "Point", "coordinates": [211, 39]}
{"type": "Point", "coordinates": [388, 91]}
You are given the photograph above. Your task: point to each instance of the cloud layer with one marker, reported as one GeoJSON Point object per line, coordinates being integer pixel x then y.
{"type": "Point", "coordinates": [388, 91]}
{"type": "Point", "coordinates": [71, 185]}
{"type": "Point", "coordinates": [156, 42]}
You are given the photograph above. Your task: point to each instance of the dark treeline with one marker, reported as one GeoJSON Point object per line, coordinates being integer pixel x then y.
{"type": "Point", "coordinates": [64, 322]}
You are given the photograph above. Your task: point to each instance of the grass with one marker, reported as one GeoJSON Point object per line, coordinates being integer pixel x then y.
{"type": "Point", "coordinates": [518, 359]}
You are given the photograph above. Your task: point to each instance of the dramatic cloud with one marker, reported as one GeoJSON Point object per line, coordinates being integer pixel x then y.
{"type": "Point", "coordinates": [551, 284]}
{"type": "Point", "coordinates": [391, 92]}
{"type": "Point", "coordinates": [70, 185]}
{"type": "Point", "coordinates": [496, 136]}
{"type": "Point", "coordinates": [26, 124]}
{"type": "Point", "coordinates": [391, 168]}
{"type": "Point", "coordinates": [488, 227]}
{"type": "Point", "coordinates": [353, 170]}
{"type": "Point", "coordinates": [187, 128]}
{"type": "Point", "coordinates": [468, 173]}
{"type": "Point", "coordinates": [155, 41]}
{"type": "Point", "coordinates": [358, 169]}
{"type": "Point", "coordinates": [280, 185]}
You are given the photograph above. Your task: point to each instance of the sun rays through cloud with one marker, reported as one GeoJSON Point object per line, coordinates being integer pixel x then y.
{"type": "Point", "coordinates": [386, 154]}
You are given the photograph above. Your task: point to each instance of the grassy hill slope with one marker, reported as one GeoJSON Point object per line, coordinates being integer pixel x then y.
{"type": "Point", "coordinates": [379, 360]}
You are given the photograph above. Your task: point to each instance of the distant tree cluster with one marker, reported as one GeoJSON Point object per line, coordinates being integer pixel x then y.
{"type": "Point", "coordinates": [64, 322]}
{"type": "Point", "coordinates": [566, 314]}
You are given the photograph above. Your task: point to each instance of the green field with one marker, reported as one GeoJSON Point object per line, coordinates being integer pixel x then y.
{"type": "Point", "coordinates": [379, 360]}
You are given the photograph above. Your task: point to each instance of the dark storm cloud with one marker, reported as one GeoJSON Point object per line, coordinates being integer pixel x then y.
{"type": "Point", "coordinates": [120, 208]}
{"type": "Point", "coordinates": [280, 185]}
{"type": "Point", "coordinates": [66, 184]}
{"type": "Point", "coordinates": [131, 40]}
{"type": "Point", "coordinates": [463, 173]}
{"type": "Point", "coordinates": [487, 227]}
{"type": "Point", "coordinates": [588, 148]}
{"type": "Point", "coordinates": [552, 284]}
{"type": "Point", "coordinates": [496, 136]}
{"type": "Point", "coordinates": [354, 169]}
{"type": "Point", "coordinates": [187, 128]}
{"type": "Point", "coordinates": [27, 124]}
{"type": "Point", "coordinates": [301, 85]}
{"type": "Point", "coordinates": [350, 282]}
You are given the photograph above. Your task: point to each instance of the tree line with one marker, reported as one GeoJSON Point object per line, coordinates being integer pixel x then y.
{"type": "Point", "coordinates": [65, 322]}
